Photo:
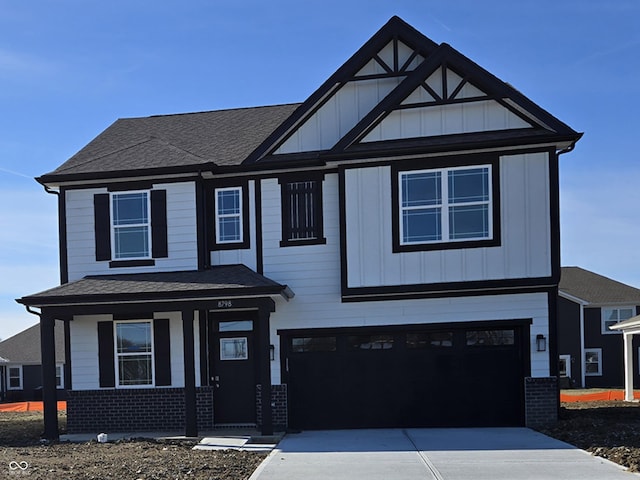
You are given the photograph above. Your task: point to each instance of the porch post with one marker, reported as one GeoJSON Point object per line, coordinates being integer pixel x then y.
{"type": "Point", "coordinates": [264, 362]}
{"type": "Point", "coordinates": [49, 393]}
{"type": "Point", "coordinates": [628, 366]}
{"type": "Point", "coordinates": [190, 413]}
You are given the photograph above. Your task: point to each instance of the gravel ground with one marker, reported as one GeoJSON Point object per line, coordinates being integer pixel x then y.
{"type": "Point", "coordinates": [608, 429]}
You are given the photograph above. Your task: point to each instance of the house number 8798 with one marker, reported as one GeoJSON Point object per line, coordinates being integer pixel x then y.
{"type": "Point", "coordinates": [225, 304]}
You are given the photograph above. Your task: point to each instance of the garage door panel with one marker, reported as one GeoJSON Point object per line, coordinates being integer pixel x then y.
{"type": "Point", "coordinates": [407, 378]}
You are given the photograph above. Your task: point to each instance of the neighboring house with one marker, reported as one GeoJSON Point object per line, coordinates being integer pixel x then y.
{"type": "Point", "coordinates": [21, 365]}
{"type": "Point", "coordinates": [590, 353]}
{"type": "Point", "coordinates": [383, 254]}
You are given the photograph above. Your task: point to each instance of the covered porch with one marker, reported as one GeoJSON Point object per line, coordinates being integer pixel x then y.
{"type": "Point", "coordinates": [186, 298]}
{"type": "Point", "coordinates": [629, 328]}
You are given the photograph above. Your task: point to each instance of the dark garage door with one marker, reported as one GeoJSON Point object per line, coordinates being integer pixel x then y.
{"type": "Point", "coordinates": [449, 377]}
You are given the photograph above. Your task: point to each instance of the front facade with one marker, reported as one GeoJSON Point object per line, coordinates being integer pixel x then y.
{"type": "Point", "coordinates": [375, 256]}
{"type": "Point", "coordinates": [590, 351]}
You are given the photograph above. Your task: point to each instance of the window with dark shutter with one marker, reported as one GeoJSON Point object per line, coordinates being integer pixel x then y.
{"type": "Point", "coordinates": [106, 365]}
{"type": "Point", "coordinates": [302, 212]}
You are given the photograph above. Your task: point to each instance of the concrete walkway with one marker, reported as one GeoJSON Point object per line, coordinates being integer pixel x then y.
{"type": "Point", "coordinates": [437, 454]}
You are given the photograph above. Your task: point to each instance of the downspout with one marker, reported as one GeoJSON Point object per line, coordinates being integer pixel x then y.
{"type": "Point", "coordinates": [582, 363]}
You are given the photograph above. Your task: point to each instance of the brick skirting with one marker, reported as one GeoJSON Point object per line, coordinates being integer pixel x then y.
{"type": "Point", "coordinates": [141, 409]}
{"type": "Point", "coordinates": [278, 406]}
{"type": "Point", "coordinates": [541, 401]}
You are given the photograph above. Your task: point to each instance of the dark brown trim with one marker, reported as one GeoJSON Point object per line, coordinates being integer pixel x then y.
{"type": "Point", "coordinates": [342, 209]}
{"type": "Point", "coordinates": [68, 380]}
{"type": "Point", "coordinates": [446, 290]}
{"type": "Point", "coordinates": [202, 225]}
{"type": "Point", "coordinates": [243, 185]}
{"type": "Point", "coordinates": [130, 186]}
{"type": "Point", "coordinates": [144, 316]}
{"type": "Point", "coordinates": [159, 240]}
{"type": "Point", "coordinates": [258, 219]}
{"type": "Point", "coordinates": [162, 352]}
{"type": "Point", "coordinates": [203, 334]}
{"type": "Point", "coordinates": [62, 237]}
{"type": "Point", "coordinates": [102, 225]}
{"type": "Point", "coordinates": [132, 263]}
{"type": "Point", "coordinates": [446, 162]}
{"type": "Point", "coordinates": [554, 214]}
{"type": "Point", "coordinates": [106, 355]}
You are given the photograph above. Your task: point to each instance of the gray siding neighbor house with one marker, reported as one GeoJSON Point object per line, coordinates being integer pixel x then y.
{"type": "Point", "coordinates": [21, 365]}
{"type": "Point", "coordinates": [590, 353]}
{"type": "Point", "coordinates": [324, 264]}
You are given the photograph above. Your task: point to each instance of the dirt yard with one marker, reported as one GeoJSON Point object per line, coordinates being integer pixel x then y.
{"type": "Point", "coordinates": [23, 456]}
{"type": "Point", "coordinates": [609, 429]}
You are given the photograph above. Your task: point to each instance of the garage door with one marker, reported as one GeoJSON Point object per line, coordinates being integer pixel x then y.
{"type": "Point", "coordinates": [408, 377]}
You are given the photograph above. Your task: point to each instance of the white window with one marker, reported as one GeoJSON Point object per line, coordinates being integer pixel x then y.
{"type": "Point", "coordinates": [611, 316]}
{"type": "Point", "coordinates": [445, 205]}
{"type": "Point", "coordinates": [134, 353]}
{"type": "Point", "coordinates": [228, 210]}
{"type": "Point", "coordinates": [14, 377]}
{"type": "Point", "coordinates": [564, 366]}
{"type": "Point", "coordinates": [593, 362]}
{"type": "Point", "coordinates": [59, 376]}
{"type": "Point", "coordinates": [130, 225]}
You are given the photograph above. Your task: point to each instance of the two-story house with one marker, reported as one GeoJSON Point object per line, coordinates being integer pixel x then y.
{"type": "Point", "coordinates": [385, 253]}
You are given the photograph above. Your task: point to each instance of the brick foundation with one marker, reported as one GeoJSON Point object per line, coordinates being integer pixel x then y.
{"type": "Point", "coordinates": [541, 401]}
{"type": "Point", "coordinates": [278, 406]}
{"type": "Point", "coordinates": [141, 409]}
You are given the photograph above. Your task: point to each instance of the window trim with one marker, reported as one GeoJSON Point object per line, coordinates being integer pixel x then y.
{"type": "Point", "coordinates": [20, 377]}
{"type": "Point", "coordinates": [117, 355]}
{"type": "Point", "coordinates": [60, 374]}
{"type": "Point", "coordinates": [604, 329]}
{"type": "Point", "coordinates": [318, 212]}
{"type": "Point", "coordinates": [112, 227]}
{"type": "Point", "coordinates": [567, 362]}
{"type": "Point", "coordinates": [584, 362]}
{"type": "Point", "coordinates": [445, 164]}
{"type": "Point", "coordinates": [218, 216]}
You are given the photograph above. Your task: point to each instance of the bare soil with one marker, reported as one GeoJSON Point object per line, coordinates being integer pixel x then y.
{"type": "Point", "coordinates": [610, 429]}
{"type": "Point", "coordinates": [22, 455]}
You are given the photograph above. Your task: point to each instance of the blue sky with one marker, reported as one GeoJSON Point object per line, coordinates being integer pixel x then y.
{"type": "Point", "coordinates": [69, 68]}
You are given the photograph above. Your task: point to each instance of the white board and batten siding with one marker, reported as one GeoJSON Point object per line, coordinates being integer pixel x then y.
{"type": "Point", "coordinates": [84, 352]}
{"type": "Point", "coordinates": [524, 252]}
{"type": "Point", "coordinates": [181, 232]}
{"type": "Point", "coordinates": [245, 256]}
{"type": "Point", "coordinates": [313, 273]}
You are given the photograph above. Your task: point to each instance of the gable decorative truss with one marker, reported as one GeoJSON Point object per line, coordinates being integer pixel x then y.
{"type": "Point", "coordinates": [402, 91]}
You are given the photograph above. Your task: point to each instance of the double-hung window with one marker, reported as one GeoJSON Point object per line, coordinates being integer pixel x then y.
{"type": "Point", "coordinates": [593, 362]}
{"type": "Point", "coordinates": [302, 211]}
{"type": "Point", "coordinates": [611, 316]}
{"type": "Point", "coordinates": [134, 353]}
{"type": "Point", "coordinates": [14, 377]}
{"type": "Point", "coordinates": [131, 225]}
{"type": "Point", "coordinates": [228, 211]}
{"type": "Point", "coordinates": [445, 205]}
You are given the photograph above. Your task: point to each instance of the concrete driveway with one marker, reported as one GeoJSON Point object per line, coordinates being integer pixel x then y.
{"type": "Point", "coordinates": [441, 454]}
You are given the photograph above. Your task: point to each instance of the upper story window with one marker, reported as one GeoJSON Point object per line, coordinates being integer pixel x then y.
{"type": "Point", "coordinates": [302, 211]}
{"type": "Point", "coordinates": [131, 225]}
{"type": "Point", "coordinates": [611, 316]}
{"type": "Point", "coordinates": [228, 213]}
{"type": "Point", "coordinates": [134, 353]}
{"type": "Point", "coordinates": [449, 207]}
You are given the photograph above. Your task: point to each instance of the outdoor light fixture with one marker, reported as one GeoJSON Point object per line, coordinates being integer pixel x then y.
{"type": "Point", "coordinates": [541, 343]}
{"type": "Point", "coordinates": [272, 352]}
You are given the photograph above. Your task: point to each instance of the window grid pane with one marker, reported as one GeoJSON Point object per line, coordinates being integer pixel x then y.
{"type": "Point", "coordinates": [131, 225]}
{"type": "Point", "coordinates": [229, 215]}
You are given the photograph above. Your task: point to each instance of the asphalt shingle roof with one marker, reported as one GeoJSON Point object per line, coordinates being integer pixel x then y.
{"type": "Point", "coordinates": [24, 347]}
{"type": "Point", "coordinates": [218, 280]}
{"type": "Point", "coordinates": [224, 137]}
{"type": "Point", "coordinates": [597, 289]}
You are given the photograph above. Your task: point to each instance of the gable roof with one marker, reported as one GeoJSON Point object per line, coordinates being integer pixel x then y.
{"type": "Point", "coordinates": [217, 281]}
{"type": "Point", "coordinates": [398, 76]}
{"type": "Point", "coordinates": [597, 289]}
{"type": "Point", "coordinates": [24, 347]}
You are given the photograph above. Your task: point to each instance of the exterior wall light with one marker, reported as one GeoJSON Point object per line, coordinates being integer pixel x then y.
{"type": "Point", "coordinates": [272, 352]}
{"type": "Point", "coordinates": [541, 343]}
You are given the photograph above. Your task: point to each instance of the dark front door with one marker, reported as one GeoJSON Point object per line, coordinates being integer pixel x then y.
{"type": "Point", "coordinates": [232, 358]}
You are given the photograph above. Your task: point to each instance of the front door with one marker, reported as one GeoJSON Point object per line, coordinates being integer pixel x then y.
{"type": "Point", "coordinates": [232, 365]}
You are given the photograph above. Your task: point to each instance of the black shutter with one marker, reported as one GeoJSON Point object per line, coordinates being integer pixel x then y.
{"type": "Point", "coordinates": [106, 354]}
{"type": "Point", "coordinates": [162, 351]}
{"type": "Point", "coordinates": [102, 226]}
{"type": "Point", "coordinates": [159, 246]}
